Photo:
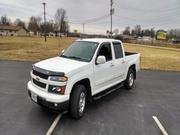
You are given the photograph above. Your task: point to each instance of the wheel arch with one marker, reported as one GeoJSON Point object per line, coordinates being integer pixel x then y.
{"type": "Point", "coordinates": [86, 83]}
{"type": "Point", "coordinates": [133, 67]}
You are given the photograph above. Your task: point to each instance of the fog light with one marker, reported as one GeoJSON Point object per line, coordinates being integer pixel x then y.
{"type": "Point", "coordinates": [55, 105]}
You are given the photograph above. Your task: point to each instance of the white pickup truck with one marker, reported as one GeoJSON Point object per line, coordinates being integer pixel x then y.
{"type": "Point", "coordinates": [86, 68]}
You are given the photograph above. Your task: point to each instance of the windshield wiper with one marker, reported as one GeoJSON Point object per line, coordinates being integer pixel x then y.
{"type": "Point", "coordinates": [63, 56]}
{"type": "Point", "coordinates": [74, 57]}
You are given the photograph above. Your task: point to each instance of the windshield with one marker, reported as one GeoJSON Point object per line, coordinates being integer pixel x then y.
{"type": "Point", "coordinates": [80, 50]}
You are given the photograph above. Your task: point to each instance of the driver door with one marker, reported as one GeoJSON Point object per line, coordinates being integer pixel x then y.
{"type": "Point", "coordinates": [103, 72]}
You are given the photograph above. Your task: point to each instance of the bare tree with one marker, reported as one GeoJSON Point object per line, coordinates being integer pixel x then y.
{"type": "Point", "coordinates": [34, 24]}
{"type": "Point", "coordinates": [174, 34]}
{"type": "Point", "coordinates": [132, 32]}
{"type": "Point", "coordinates": [65, 27]}
{"type": "Point", "coordinates": [49, 27]}
{"type": "Point", "coordinates": [59, 18]}
{"type": "Point", "coordinates": [152, 33]}
{"type": "Point", "coordinates": [145, 32]}
{"type": "Point", "coordinates": [61, 24]}
{"type": "Point", "coordinates": [19, 22]}
{"type": "Point", "coordinates": [127, 31]}
{"type": "Point", "coordinates": [137, 30]}
{"type": "Point", "coordinates": [5, 20]}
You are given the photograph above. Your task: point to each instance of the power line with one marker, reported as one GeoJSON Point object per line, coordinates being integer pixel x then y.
{"type": "Point", "coordinates": [132, 19]}
{"type": "Point", "coordinates": [91, 20]}
{"type": "Point", "coordinates": [88, 21]}
{"type": "Point", "coordinates": [85, 22]}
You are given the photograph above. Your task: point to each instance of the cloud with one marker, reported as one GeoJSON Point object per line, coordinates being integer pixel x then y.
{"type": "Point", "coordinates": [159, 14]}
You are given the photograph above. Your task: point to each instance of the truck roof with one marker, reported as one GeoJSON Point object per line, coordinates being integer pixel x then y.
{"type": "Point", "coordinates": [99, 40]}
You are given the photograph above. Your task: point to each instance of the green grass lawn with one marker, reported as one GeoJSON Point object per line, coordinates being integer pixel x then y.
{"type": "Point", "coordinates": [35, 49]}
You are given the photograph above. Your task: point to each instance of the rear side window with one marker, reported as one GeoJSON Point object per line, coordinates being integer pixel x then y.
{"type": "Point", "coordinates": [117, 50]}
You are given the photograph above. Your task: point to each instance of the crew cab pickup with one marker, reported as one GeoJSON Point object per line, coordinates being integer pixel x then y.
{"type": "Point", "coordinates": [86, 68]}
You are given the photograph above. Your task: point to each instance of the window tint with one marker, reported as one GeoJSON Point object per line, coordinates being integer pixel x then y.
{"type": "Point", "coordinates": [117, 50]}
{"type": "Point", "coordinates": [106, 51]}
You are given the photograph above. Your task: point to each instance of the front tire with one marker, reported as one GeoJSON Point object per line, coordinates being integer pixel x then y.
{"type": "Point", "coordinates": [78, 102]}
{"type": "Point", "coordinates": [129, 82]}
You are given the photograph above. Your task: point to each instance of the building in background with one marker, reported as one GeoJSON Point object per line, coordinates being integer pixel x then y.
{"type": "Point", "coordinates": [11, 30]}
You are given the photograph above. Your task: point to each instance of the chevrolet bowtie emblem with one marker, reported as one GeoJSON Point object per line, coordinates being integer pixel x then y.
{"type": "Point", "coordinates": [37, 78]}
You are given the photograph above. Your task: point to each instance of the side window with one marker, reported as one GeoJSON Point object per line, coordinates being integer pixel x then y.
{"type": "Point", "coordinates": [105, 50]}
{"type": "Point", "coordinates": [117, 50]}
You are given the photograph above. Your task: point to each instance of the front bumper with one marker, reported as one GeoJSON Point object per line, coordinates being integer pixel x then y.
{"type": "Point", "coordinates": [53, 101]}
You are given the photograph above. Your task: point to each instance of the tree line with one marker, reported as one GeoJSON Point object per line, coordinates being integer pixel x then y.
{"type": "Point", "coordinates": [59, 24]}
{"type": "Point", "coordinates": [137, 31]}
{"type": "Point", "coordinates": [36, 24]}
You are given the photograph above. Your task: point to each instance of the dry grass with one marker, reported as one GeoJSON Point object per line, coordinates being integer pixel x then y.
{"type": "Point", "coordinates": [31, 48]}
{"type": "Point", "coordinates": [35, 49]}
{"type": "Point", "coordinates": [157, 58]}
{"type": "Point", "coordinates": [156, 43]}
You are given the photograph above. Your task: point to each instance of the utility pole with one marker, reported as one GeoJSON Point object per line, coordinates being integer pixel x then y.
{"type": "Point", "coordinates": [83, 28]}
{"type": "Point", "coordinates": [152, 36]}
{"type": "Point", "coordinates": [44, 5]}
{"type": "Point", "coordinates": [82, 33]}
{"type": "Point", "coordinates": [111, 13]}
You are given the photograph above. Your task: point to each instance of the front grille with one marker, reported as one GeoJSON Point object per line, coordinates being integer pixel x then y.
{"type": "Point", "coordinates": [41, 75]}
{"type": "Point", "coordinates": [40, 84]}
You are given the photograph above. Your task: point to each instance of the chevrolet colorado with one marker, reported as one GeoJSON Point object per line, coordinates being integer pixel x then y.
{"type": "Point", "coordinates": [84, 69]}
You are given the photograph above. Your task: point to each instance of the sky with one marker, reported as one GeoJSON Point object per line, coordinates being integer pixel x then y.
{"type": "Point", "coordinates": [158, 14]}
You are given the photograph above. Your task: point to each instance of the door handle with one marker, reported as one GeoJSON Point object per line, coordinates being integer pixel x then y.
{"type": "Point", "coordinates": [123, 62]}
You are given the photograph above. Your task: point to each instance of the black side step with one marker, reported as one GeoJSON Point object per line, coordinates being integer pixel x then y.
{"type": "Point", "coordinates": [107, 91]}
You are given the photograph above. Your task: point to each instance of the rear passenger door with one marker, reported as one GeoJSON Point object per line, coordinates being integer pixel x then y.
{"type": "Point", "coordinates": [119, 61]}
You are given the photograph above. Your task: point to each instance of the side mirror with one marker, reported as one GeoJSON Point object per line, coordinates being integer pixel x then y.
{"type": "Point", "coordinates": [101, 60]}
{"type": "Point", "coordinates": [62, 51]}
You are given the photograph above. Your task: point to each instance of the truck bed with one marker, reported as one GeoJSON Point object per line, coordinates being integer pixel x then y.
{"type": "Point", "coordinates": [133, 58]}
{"type": "Point", "coordinates": [129, 53]}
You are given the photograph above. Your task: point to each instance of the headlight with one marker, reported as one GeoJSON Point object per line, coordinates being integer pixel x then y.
{"type": "Point", "coordinates": [56, 89]}
{"type": "Point", "coordinates": [58, 79]}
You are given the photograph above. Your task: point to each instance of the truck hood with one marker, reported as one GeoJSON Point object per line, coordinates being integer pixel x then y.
{"type": "Point", "coordinates": [60, 64]}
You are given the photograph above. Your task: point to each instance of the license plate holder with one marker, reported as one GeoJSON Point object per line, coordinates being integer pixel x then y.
{"type": "Point", "coordinates": [34, 97]}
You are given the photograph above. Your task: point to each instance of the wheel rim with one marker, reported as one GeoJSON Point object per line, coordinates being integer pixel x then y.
{"type": "Point", "coordinates": [131, 79]}
{"type": "Point", "coordinates": [82, 102]}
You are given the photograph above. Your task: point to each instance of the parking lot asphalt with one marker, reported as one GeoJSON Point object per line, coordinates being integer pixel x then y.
{"type": "Point", "coordinates": [121, 112]}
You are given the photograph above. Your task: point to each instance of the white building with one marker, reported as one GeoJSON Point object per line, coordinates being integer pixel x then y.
{"type": "Point", "coordinates": [11, 30]}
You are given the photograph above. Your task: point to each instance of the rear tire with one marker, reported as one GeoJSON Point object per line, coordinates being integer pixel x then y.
{"type": "Point", "coordinates": [78, 102]}
{"type": "Point", "coordinates": [129, 82]}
